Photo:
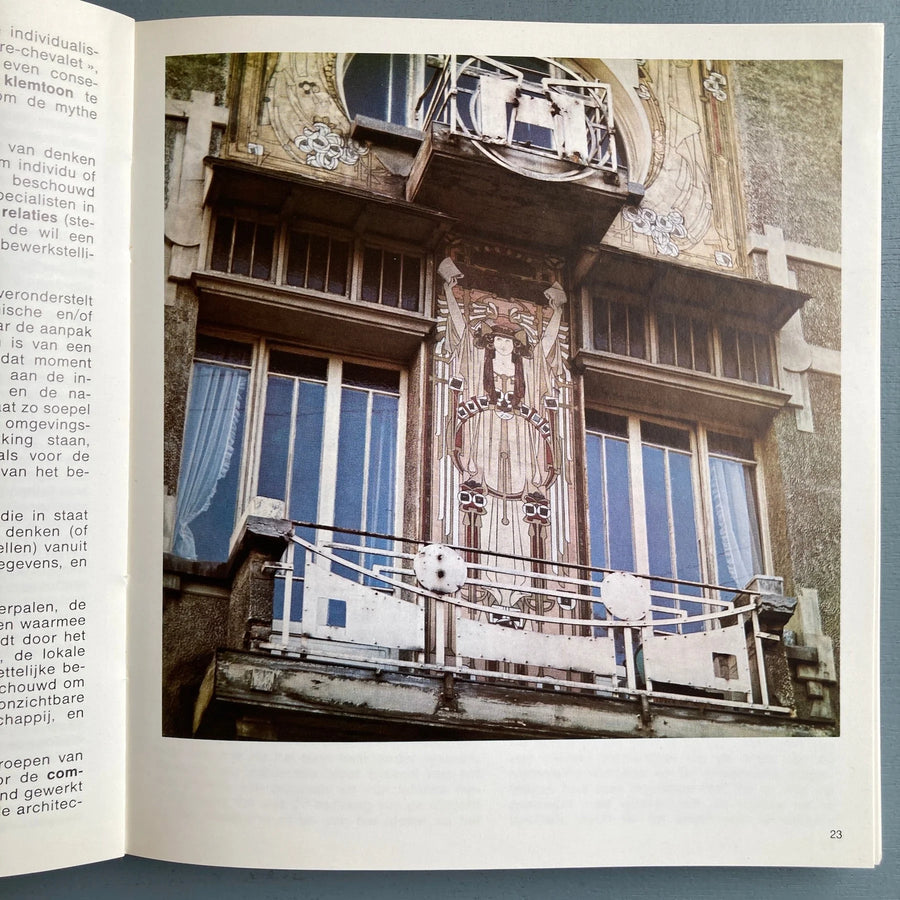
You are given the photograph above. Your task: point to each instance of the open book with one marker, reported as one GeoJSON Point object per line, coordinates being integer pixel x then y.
{"type": "Point", "coordinates": [408, 426]}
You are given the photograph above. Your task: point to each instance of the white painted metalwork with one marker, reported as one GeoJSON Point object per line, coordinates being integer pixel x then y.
{"type": "Point", "coordinates": [715, 657]}
{"type": "Point", "coordinates": [487, 100]}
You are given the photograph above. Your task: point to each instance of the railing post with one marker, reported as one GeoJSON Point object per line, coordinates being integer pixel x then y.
{"type": "Point", "coordinates": [440, 633]}
{"type": "Point", "coordinates": [760, 661]}
{"type": "Point", "coordinates": [288, 589]}
{"type": "Point", "coordinates": [630, 674]}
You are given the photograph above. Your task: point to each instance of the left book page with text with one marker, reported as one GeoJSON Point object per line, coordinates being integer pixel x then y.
{"type": "Point", "coordinates": [66, 101]}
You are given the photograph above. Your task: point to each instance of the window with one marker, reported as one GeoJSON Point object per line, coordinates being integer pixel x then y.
{"type": "Point", "coordinates": [675, 338]}
{"type": "Point", "coordinates": [387, 86]}
{"type": "Point", "coordinates": [391, 278]}
{"type": "Point", "coordinates": [243, 247]}
{"type": "Point", "coordinates": [684, 342]}
{"type": "Point", "coordinates": [651, 486]}
{"type": "Point", "coordinates": [746, 355]}
{"type": "Point", "coordinates": [297, 468]}
{"type": "Point", "coordinates": [620, 328]}
{"type": "Point", "coordinates": [212, 449]}
{"type": "Point", "coordinates": [318, 261]}
{"type": "Point", "coordinates": [321, 422]}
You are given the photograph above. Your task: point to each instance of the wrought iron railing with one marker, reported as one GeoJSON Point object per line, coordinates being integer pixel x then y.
{"type": "Point", "coordinates": [543, 623]}
{"type": "Point", "coordinates": [501, 106]}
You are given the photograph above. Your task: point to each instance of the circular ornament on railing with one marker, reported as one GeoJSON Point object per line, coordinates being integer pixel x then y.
{"type": "Point", "coordinates": [625, 596]}
{"type": "Point", "coordinates": [440, 569]}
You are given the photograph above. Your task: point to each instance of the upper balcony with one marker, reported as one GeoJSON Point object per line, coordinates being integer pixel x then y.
{"type": "Point", "coordinates": [521, 148]}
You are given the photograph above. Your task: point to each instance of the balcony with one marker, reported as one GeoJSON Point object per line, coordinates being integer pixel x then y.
{"type": "Point", "coordinates": [514, 154]}
{"type": "Point", "coordinates": [385, 642]}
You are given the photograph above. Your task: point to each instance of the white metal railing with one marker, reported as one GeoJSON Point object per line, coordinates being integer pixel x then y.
{"type": "Point", "coordinates": [499, 106]}
{"type": "Point", "coordinates": [525, 621]}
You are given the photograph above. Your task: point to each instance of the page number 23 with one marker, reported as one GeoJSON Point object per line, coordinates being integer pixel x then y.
{"type": "Point", "coordinates": [835, 834]}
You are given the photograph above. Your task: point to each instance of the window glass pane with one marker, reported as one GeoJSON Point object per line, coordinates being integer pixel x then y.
{"type": "Point", "coordinates": [366, 85]}
{"type": "Point", "coordinates": [221, 249]}
{"type": "Point", "coordinates": [371, 277]}
{"type": "Point", "coordinates": [601, 324]}
{"type": "Point", "coordinates": [665, 327]}
{"type": "Point", "coordinates": [309, 426]}
{"type": "Point", "coordinates": [683, 353]}
{"type": "Point", "coordinates": [657, 512]}
{"type": "Point", "coordinates": [618, 319]}
{"type": "Point", "coordinates": [763, 360]}
{"type": "Point", "coordinates": [412, 267]}
{"type": "Point", "coordinates": [745, 348]}
{"type": "Point", "coordinates": [606, 422]}
{"type": "Point", "coordinates": [621, 545]}
{"type": "Point", "coordinates": [730, 445]}
{"type": "Point", "coordinates": [597, 521]}
{"type": "Point", "coordinates": [686, 548]}
{"type": "Point", "coordinates": [390, 279]}
{"type": "Point", "coordinates": [652, 433]}
{"type": "Point", "coordinates": [298, 246]}
{"type": "Point", "coordinates": [294, 364]}
{"type": "Point", "coordinates": [533, 135]}
{"type": "Point", "coordinates": [351, 463]}
{"type": "Point", "coordinates": [381, 475]}
{"type": "Point", "coordinates": [636, 332]}
{"type": "Point", "coordinates": [371, 377]}
{"type": "Point", "coordinates": [596, 500]}
{"type": "Point", "coordinates": [337, 267]}
{"type": "Point", "coordinates": [262, 252]}
{"type": "Point", "coordinates": [275, 438]}
{"type": "Point", "coordinates": [399, 81]}
{"type": "Point", "coordinates": [210, 462]}
{"type": "Point", "coordinates": [318, 262]}
{"type": "Point", "coordinates": [729, 353]}
{"type": "Point", "coordinates": [243, 247]}
{"type": "Point", "coordinates": [221, 350]}
{"type": "Point", "coordinates": [701, 346]}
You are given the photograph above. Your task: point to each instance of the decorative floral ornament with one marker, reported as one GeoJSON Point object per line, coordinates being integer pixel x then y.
{"type": "Point", "coordinates": [660, 227]}
{"type": "Point", "coordinates": [715, 83]}
{"type": "Point", "coordinates": [325, 148]}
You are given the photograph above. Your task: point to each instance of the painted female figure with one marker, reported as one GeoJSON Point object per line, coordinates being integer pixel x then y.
{"type": "Point", "coordinates": [504, 374]}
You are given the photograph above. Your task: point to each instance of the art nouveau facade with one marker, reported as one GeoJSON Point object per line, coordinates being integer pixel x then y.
{"type": "Point", "coordinates": [502, 397]}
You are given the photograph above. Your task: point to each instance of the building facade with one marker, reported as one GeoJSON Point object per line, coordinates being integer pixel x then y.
{"type": "Point", "coordinates": [502, 397]}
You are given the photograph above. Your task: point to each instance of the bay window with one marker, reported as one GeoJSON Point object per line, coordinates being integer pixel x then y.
{"type": "Point", "coordinates": [671, 336]}
{"type": "Point", "coordinates": [317, 261]}
{"type": "Point", "coordinates": [678, 503]}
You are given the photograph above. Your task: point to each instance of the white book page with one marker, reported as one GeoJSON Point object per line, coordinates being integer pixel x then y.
{"type": "Point", "coordinates": [65, 162]}
{"type": "Point", "coordinates": [464, 805]}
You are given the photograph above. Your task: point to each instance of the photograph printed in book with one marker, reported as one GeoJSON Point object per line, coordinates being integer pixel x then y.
{"type": "Point", "coordinates": [502, 397]}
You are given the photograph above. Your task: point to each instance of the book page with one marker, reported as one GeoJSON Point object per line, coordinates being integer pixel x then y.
{"type": "Point", "coordinates": [510, 380]}
{"type": "Point", "coordinates": [65, 161]}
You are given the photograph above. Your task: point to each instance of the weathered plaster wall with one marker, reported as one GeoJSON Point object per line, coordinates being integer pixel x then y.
{"type": "Point", "coordinates": [200, 72]}
{"type": "Point", "coordinates": [789, 116]}
{"type": "Point", "coordinates": [195, 626]}
{"type": "Point", "coordinates": [789, 125]}
{"type": "Point", "coordinates": [180, 333]}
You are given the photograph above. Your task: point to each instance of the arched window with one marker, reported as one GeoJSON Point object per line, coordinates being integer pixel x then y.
{"type": "Point", "coordinates": [386, 86]}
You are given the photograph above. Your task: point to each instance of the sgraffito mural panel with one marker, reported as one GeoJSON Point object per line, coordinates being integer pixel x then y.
{"type": "Point", "coordinates": [689, 211]}
{"type": "Point", "coordinates": [503, 425]}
